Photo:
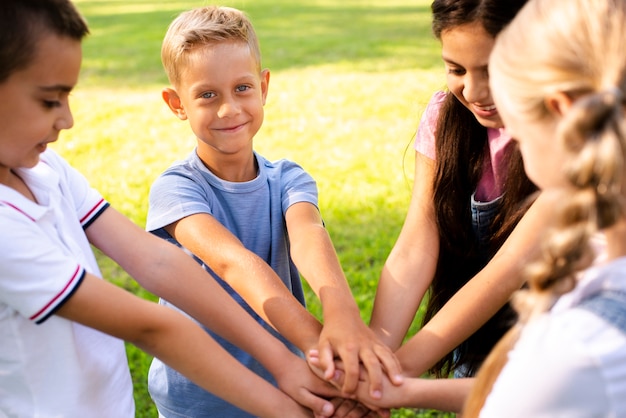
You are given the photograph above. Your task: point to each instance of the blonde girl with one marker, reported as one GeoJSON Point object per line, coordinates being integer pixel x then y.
{"type": "Point", "coordinates": [558, 75]}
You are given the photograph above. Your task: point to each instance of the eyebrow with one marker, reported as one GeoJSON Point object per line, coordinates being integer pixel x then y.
{"type": "Point", "coordinates": [56, 87]}
{"type": "Point", "coordinates": [204, 86]}
{"type": "Point", "coordinates": [451, 62]}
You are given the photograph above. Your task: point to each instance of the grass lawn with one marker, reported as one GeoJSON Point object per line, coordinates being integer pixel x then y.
{"type": "Point", "coordinates": [349, 82]}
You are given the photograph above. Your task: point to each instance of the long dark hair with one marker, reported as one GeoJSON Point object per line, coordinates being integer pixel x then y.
{"type": "Point", "coordinates": [461, 146]}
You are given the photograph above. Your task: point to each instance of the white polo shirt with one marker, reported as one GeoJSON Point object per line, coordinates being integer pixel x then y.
{"type": "Point", "coordinates": [49, 366]}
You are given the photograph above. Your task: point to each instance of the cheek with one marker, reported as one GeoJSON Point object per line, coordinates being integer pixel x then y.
{"type": "Point", "coordinates": [533, 165]}
{"type": "Point", "coordinates": [455, 85]}
{"type": "Point", "coordinates": [544, 163]}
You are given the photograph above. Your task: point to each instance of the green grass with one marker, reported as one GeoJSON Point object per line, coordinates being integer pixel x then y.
{"type": "Point", "coordinates": [349, 82]}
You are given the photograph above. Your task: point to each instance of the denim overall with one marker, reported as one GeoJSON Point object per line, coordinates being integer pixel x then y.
{"type": "Point", "coordinates": [483, 214]}
{"type": "Point", "coordinates": [609, 305]}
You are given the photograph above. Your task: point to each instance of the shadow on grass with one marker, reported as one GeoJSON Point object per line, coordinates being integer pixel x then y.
{"type": "Point", "coordinates": [124, 45]}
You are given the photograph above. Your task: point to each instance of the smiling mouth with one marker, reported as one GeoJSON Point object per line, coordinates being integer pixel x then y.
{"type": "Point", "coordinates": [231, 128]}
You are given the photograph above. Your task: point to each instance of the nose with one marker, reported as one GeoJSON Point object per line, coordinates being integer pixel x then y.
{"type": "Point", "coordinates": [65, 120]}
{"type": "Point", "coordinates": [229, 106]}
{"type": "Point", "coordinates": [476, 87]}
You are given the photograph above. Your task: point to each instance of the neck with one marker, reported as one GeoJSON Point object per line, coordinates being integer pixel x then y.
{"type": "Point", "coordinates": [233, 168]}
{"type": "Point", "coordinates": [15, 182]}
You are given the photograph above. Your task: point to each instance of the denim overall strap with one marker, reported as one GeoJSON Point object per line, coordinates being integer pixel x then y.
{"type": "Point", "coordinates": [609, 305]}
{"type": "Point", "coordinates": [483, 214]}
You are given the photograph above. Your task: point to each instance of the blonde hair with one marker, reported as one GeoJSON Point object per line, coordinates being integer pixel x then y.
{"type": "Point", "coordinates": [197, 28]}
{"type": "Point", "coordinates": [575, 48]}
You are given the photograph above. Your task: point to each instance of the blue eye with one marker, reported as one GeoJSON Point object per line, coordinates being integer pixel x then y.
{"type": "Point", "coordinates": [242, 88]}
{"type": "Point", "coordinates": [207, 95]}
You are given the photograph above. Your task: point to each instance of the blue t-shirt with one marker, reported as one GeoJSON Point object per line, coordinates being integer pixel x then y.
{"type": "Point", "coordinates": [254, 212]}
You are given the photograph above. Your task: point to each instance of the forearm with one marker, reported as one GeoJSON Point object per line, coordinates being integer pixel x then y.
{"type": "Point", "coordinates": [318, 263]}
{"type": "Point", "coordinates": [447, 395]}
{"type": "Point", "coordinates": [168, 272]}
{"type": "Point", "coordinates": [441, 394]}
{"type": "Point", "coordinates": [195, 292]}
{"type": "Point", "coordinates": [188, 349]}
{"type": "Point", "coordinates": [175, 339]}
{"type": "Point", "coordinates": [470, 308]}
{"type": "Point", "coordinates": [483, 295]}
{"type": "Point", "coordinates": [476, 302]}
{"type": "Point", "coordinates": [264, 291]}
{"type": "Point", "coordinates": [249, 275]}
{"type": "Point", "coordinates": [411, 264]}
{"type": "Point", "coordinates": [403, 282]}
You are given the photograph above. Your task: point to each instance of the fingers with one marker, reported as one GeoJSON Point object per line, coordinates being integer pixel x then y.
{"type": "Point", "coordinates": [327, 360]}
{"type": "Point", "coordinates": [313, 360]}
{"type": "Point", "coordinates": [378, 362]}
{"type": "Point", "coordinates": [355, 357]}
{"type": "Point", "coordinates": [390, 363]}
{"type": "Point", "coordinates": [348, 408]}
{"type": "Point", "coordinates": [349, 355]}
{"type": "Point", "coordinates": [321, 407]}
{"type": "Point", "coordinates": [374, 373]}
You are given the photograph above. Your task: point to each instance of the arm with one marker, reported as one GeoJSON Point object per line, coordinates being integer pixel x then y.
{"type": "Point", "coordinates": [411, 265]}
{"type": "Point", "coordinates": [482, 296]}
{"type": "Point", "coordinates": [209, 240]}
{"type": "Point", "coordinates": [344, 331]}
{"type": "Point", "coordinates": [440, 394]}
{"type": "Point", "coordinates": [177, 341]}
{"type": "Point", "coordinates": [166, 271]}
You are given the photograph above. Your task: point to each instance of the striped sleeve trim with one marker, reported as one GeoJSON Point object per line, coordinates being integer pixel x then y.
{"type": "Point", "coordinates": [57, 301]}
{"type": "Point", "coordinates": [93, 214]}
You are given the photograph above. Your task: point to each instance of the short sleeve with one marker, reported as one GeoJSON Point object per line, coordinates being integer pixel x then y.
{"type": "Point", "coordinates": [425, 136]}
{"type": "Point", "coordinates": [36, 276]}
{"type": "Point", "coordinates": [175, 194]}
{"type": "Point", "coordinates": [297, 185]}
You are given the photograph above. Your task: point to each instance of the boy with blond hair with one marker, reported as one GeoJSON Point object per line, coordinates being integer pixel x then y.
{"type": "Point", "coordinates": [254, 224]}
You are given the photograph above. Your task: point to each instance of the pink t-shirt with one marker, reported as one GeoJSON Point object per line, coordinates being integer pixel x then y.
{"type": "Point", "coordinates": [491, 183]}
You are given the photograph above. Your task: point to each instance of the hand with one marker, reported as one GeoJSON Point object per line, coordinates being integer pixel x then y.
{"type": "Point", "coordinates": [350, 405]}
{"type": "Point", "coordinates": [291, 408]}
{"type": "Point", "coordinates": [355, 344]}
{"type": "Point", "coordinates": [297, 380]}
{"type": "Point", "coordinates": [441, 394]}
{"type": "Point", "coordinates": [349, 408]}
{"type": "Point", "coordinates": [395, 396]}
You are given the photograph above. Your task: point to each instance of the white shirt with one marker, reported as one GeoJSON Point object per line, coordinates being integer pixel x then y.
{"type": "Point", "coordinates": [569, 362]}
{"type": "Point", "coordinates": [49, 366]}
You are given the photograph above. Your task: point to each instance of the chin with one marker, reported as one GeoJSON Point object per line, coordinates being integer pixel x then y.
{"type": "Point", "coordinates": [31, 162]}
{"type": "Point", "coordinates": [490, 123]}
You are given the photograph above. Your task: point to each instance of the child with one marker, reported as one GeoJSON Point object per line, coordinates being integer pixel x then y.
{"type": "Point", "coordinates": [56, 358]}
{"type": "Point", "coordinates": [468, 181]}
{"type": "Point", "coordinates": [558, 74]}
{"type": "Point", "coordinates": [253, 223]}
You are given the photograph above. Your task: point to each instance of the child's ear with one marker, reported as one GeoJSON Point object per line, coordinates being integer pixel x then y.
{"type": "Point", "coordinates": [173, 101]}
{"type": "Point", "coordinates": [265, 82]}
{"type": "Point", "coordinates": [558, 103]}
